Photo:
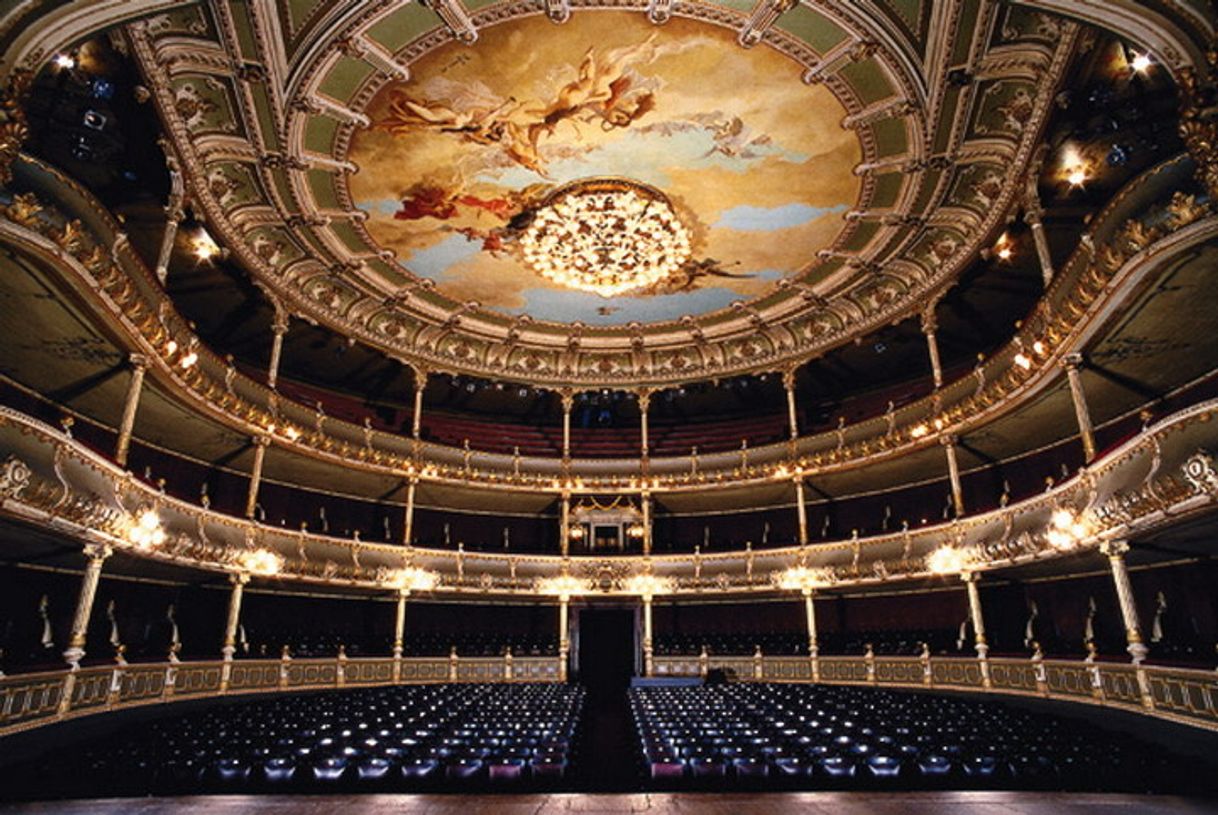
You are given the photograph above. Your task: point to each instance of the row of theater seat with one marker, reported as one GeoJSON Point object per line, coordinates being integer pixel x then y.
{"type": "Point", "coordinates": [665, 440]}
{"type": "Point", "coordinates": [513, 737]}
{"type": "Point", "coordinates": [863, 737]}
{"type": "Point", "coordinates": [359, 740]}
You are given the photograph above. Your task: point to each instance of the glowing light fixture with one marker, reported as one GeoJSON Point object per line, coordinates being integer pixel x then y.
{"type": "Point", "coordinates": [804, 578]}
{"type": "Point", "coordinates": [1023, 361]}
{"type": "Point", "coordinates": [413, 579]}
{"type": "Point", "coordinates": [1004, 249]}
{"type": "Point", "coordinates": [607, 236]}
{"type": "Point", "coordinates": [949, 560]}
{"type": "Point", "coordinates": [145, 531]}
{"type": "Point", "coordinates": [1066, 530]}
{"type": "Point", "coordinates": [649, 585]}
{"type": "Point", "coordinates": [64, 62]}
{"type": "Point", "coordinates": [564, 586]}
{"type": "Point", "coordinates": [260, 561]}
{"type": "Point", "coordinates": [203, 246]}
{"type": "Point", "coordinates": [1141, 63]}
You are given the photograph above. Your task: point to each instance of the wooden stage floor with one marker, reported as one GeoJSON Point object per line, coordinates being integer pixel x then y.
{"type": "Point", "coordinates": [729, 803]}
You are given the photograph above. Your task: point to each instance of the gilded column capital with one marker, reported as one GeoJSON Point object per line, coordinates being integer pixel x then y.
{"type": "Point", "coordinates": [238, 578]}
{"type": "Point", "coordinates": [1114, 549]}
{"type": "Point", "coordinates": [97, 552]}
{"type": "Point", "coordinates": [568, 399]}
{"type": "Point", "coordinates": [420, 377]}
{"type": "Point", "coordinates": [644, 395]}
{"type": "Point", "coordinates": [279, 323]}
{"type": "Point", "coordinates": [261, 440]}
{"type": "Point", "coordinates": [1072, 361]}
{"type": "Point", "coordinates": [139, 361]}
{"type": "Point", "coordinates": [930, 322]}
{"type": "Point", "coordinates": [788, 378]}
{"type": "Point", "coordinates": [949, 440]}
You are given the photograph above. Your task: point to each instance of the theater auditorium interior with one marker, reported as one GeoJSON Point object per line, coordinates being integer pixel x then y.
{"type": "Point", "coordinates": [746, 406]}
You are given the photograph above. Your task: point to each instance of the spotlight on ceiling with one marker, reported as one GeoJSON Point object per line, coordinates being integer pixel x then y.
{"type": "Point", "coordinates": [1141, 63]}
{"type": "Point", "coordinates": [204, 247]}
{"type": "Point", "coordinates": [64, 62]}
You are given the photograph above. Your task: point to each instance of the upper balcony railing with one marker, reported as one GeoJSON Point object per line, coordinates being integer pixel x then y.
{"type": "Point", "coordinates": [1147, 219]}
{"type": "Point", "coordinates": [1155, 479]}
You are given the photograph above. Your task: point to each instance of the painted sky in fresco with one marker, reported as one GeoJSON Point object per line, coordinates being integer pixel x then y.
{"type": "Point", "coordinates": [755, 163]}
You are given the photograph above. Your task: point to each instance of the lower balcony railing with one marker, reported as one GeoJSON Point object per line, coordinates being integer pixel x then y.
{"type": "Point", "coordinates": [32, 700]}
{"type": "Point", "coordinates": [1183, 695]}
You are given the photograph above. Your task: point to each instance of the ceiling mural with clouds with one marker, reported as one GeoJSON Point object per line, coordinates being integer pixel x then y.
{"type": "Point", "coordinates": [754, 163]}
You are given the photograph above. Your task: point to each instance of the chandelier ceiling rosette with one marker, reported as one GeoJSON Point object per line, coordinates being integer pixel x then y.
{"type": "Point", "coordinates": [607, 236]}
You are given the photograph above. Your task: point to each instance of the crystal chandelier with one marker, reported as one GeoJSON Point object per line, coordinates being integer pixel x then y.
{"type": "Point", "coordinates": [607, 236]}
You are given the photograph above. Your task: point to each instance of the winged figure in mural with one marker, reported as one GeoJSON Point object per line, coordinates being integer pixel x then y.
{"type": "Point", "coordinates": [605, 90]}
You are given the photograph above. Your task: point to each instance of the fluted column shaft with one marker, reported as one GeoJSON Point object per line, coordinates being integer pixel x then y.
{"type": "Point", "coordinates": [953, 472]}
{"type": "Point", "coordinates": [279, 328]}
{"type": "Point", "coordinates": [234, 615]}
{"type": "Point", "coordinates": [1115, 552]}
{"type": "Point", "coordinates": [648, 653]}
{"type": "Point", "coordinates": [139, 364]}
{"type": "Point", "coordinates": [84, 603]}
{"type": "Point", "coordinates": [929, 326]}
{"type": "Point", "coordinates": [399, 624]}
{"type": "Point", "coordinates": [564, 643]}
{"type": "Point", "coordinates": [408, 524]}
{"type": "Point", "coordinates": [251, 498]}
{"type": "Point", "coordinates": [1073, 364]}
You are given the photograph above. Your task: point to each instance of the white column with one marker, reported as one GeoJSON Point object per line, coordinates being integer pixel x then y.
{"type": "Point", "coordinates": [813, 641]}
{"type": "Point", "coordinates": [1033, 219]}
{"type": "Point", "coordinates": [978, 619]}
{"type": "Point", "coordinates": [646, 501]}
{"type": "Point", "coordinates": [648, 654]}
{"type": "Point", "coordinates": [279, 328]}
{"type": "Point", "coordinates": [568, 402]}
{"type": "Point", "coordinates": [1115, 551]}
{"type": "Point", "coordinates": [929, 326]}
{"type": "Point", "coordinates": [174, 213]}
{"type": "Point", "coordinates": [1072, 364]}
{"type": "Point", "coordinates": [801, 508]}
{"type": "Point", "coordinates": [238, 579]}
{"type": "Point", "coordinates": [139, 364]}
{"type": "Point", "coordinates": [251, 497]}
{"type": "Point", "coordinates": [975, 615]}
{"type": "Point", "coordinates": [408, 525]}
{"type": "Point", "coordinates": [645, 441]}
{"type": "Point", "coordinates": [788, 382]}
{"type": "Point", "coordinates": [953, 472]}
{"type": "Point", "coordinates": [97, 555]}
{"type": "Point", "coordinates": [416, 421]}
{"type": "Point", "coordinates": [564, 643]}
{"type": "Point", "coordinates": [399, 625]}
{"type": "Point", "coordinates": [564, 525]}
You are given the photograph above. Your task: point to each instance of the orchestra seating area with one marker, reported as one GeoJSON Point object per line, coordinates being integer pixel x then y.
{"type": "Point", "coordinates": [848, 738]}
{"type": "Point", "coordinates": [409, 737]}
{"type": "Point", "coordinates": [480, 737]}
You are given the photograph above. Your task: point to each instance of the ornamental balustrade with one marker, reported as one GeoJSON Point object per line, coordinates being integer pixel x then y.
{"type": "Point", "coordinates": [1150, 216]}
{"type": "Point", "coordinates": [33, 700]}
{"type": "Point", "coordinates": [1157, 478]}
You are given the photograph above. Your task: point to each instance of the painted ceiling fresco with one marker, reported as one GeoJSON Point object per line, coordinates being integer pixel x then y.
{"type": "Point", "coordinates": [756, 164]}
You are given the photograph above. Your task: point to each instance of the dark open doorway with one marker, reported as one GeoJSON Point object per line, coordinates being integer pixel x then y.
{"type": "Point", "coordinates": [606, 649]}
{"type": "Point", "coordinates": [606, 663]}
